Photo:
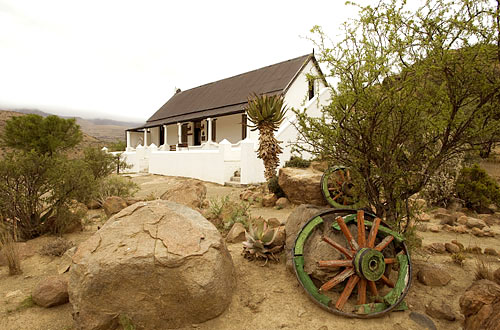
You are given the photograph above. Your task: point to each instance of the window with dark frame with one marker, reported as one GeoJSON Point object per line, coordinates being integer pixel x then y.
{"type": "Point", "coordinates": [311, 88]}
{"type": "Point", "coordinates": [244, 126]}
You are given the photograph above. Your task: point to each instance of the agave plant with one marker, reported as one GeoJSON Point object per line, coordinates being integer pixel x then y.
{"type": "Point", "coordinates": [259, 244]}
{"type": "Point", "coordinates": [266, 113]}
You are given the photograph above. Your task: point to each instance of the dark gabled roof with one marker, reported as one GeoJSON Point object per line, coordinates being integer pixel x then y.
{"type": "Point", "coordinates": [228, 95]}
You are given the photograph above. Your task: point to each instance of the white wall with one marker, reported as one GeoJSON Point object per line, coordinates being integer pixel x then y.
{"type": "Point", "coordinates": [229, 128]}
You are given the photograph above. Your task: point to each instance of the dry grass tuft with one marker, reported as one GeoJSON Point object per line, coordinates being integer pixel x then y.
{"type": "Point", "coordinates": [483, 270]}
{"type": "Point", "coordinates": [56, 247]}
{"type": "Point", "coordinates": [10, 251]}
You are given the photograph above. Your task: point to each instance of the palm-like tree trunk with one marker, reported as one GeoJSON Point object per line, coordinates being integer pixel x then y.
{"type": "Point", "coordinates": [269, 149]}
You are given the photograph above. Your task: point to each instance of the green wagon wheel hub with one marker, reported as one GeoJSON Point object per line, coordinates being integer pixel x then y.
{"type": "Point", "coordinates": [369, 264]}
{"type": "Point", "coordinates": [363, 265]}
{"type": "Point", "coordinates": [337, 188]}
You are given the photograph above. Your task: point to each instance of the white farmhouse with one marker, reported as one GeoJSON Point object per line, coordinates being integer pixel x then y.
{"type": "Point", "coordinates": [204, 132]}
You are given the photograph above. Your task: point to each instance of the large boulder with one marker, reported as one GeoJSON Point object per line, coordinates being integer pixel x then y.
{"type": "Point", "coordinates": [158, 263]}
{"type": "Point", "coordinates": [433, 275]}
{"type": "Point", "coordinates": [301, 186]}
{"type": "Point", "coordinates": [51, 291]}
{"type": "Point", "coordinates": [296, 220]}
{"type": "Point", "coordinates": [113, 205]}
{"type": "Point", "coordinates": [480, 305]}
{"type": "Point", "coordinates": [189, 192]}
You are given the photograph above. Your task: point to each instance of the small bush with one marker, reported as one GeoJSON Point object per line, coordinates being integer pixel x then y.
{"type": "Point", "coordinates": [275, 188]}
{"type": "Point", "coordinates": [477, 188]}
{"type": "Point", "coordinates": [119, 145]}
{"type": "Point", "coordinates": [458, 258]}
{"type": "Point", "coordinates": [296, 161]}
{"type": "Point", "coordinates": [116, 186]}
{"type": "Point", "coordinates": [224, 213]}
{"type": "Point", "coordinates": [57, 247]}
{"type": "Point", "coordinates": [440, 188]}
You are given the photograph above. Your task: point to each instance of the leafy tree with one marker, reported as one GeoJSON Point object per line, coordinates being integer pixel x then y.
{"type": "Point", "coordinates": [412, 91]}
{"type": "Point", "coordinates": [44, 135]}
{"type": "Point", "coordinates": [36, 191]}
{"type": "Point", "coordinates": [266, 112]}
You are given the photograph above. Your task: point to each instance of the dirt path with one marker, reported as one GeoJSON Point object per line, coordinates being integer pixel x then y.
{"type": "Point", "coordinates": [266, 297]}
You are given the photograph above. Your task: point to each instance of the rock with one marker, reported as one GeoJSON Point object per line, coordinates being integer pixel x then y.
{"type": "Point", "coordinates": [462, 220]}
{"type": "Point", "coordinates": [460, 229]}
{"type": "Point", "coordinates": [189, 192]}
{"type": "Point", "coordinates": [159, 263]}
{"type": "Point", "coordinates": [236, 233]}
{"type": "Point", "coordinates": [422, 320]}
{"type": "Point", "coordinates": [420, 203]}
{"type": "Point", "coordinates": [66, 260]}
{"type": "Point", "coordinates": [280, 237]}
{"type": "Point", "coordinates": [440, 311]}
{"type": "Point", "coordinates": [477, 232]}
{"type": "Point", "coordinates": [487, 232]}
{"type": "Point", "coordinates": [282, 202]}
{"type": "Point", "coordinates": [269, 200]}
{"type": "Point", "coordinates": [15, 297]}
{"type": "Point", "coordinates": [131, 200]}
{"type": "Point", "coordinates": [448, 228]}
{"type": "Point", "coordinates": [93, 205]}
{"type": "Point", "coordinates": [319, 166]}
{"type": "Point", "coordinates": [493, 207]}
{"type": "Point", "coordinates": [424, 217]}
{"type": "Point", "coordinates": [113, 205]}
{"type": "Point", "coordinates": [445, 218]}
{"type": "Point", "coordinates": [51, 291]}
{"type": "Point", "coordinates": [452, 248]}
{"type": "Point", "coordinates": [496, 276]}
{"type": "Point", "coordinates": [437, 248]}
{"type": "Point", "coordinates": [475, 223]}
{"type": "Point", "coordinates": [246, 195]}
{"type": "Point", "coordinates": [457, 243]}
{"type": "Point", "coordinates": [433, 275]}
{"type": "Point", "coordinates": [294, 223]}
{"type": "Point", "coordinates": [273, 222]}
{"type": "Point", "coordinates": [301, 186]}
{"type": "Point", "coordinates": [480, 305]}
{"type": "Point", "coordinates": [439, 210]}
{"type": "Point", "coordinates": [434, 228]}
{"type": "Point", "coordinates": [491, 252]}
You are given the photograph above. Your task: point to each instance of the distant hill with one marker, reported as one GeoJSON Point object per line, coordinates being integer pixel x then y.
{"type": "Point", "coordinates": [107, 130]}
{"type": "Point", "coordinates": [88, 140]}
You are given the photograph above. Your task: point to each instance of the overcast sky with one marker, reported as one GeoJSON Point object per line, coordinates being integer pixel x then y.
{"type": "Point", "coordinates": [123, 59]}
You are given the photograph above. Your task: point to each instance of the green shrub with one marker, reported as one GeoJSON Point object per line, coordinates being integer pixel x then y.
{"type": "Point", "coordinates": [115, 185]}
{"type": "Point", "coordinates": [296, 161]}
{"type": "Point", "coordinates": [477, 188]}
{"type": "Point", "coordinates": [118, 145]}
{"type": "Point", "coordinates": [275, 188]}
{"type": "Point", "coordinates": [224, 213]}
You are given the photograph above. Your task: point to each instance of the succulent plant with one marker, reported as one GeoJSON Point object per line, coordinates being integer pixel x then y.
{"type": "Point", "coordinates": [260, 242]}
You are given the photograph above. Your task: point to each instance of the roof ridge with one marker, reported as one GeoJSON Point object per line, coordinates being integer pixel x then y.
{"type": "Point", "coordinates": [264, 67]}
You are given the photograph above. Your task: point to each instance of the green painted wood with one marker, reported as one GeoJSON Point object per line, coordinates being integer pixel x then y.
{"type": "Point", "coordinates": [304, 234]}
{"type": "Point", "coordinates": [306, 281]}
{"type": "Point", "coordinates": [400, 284]}
{"type": "Point", "coordinates": [378, 307]}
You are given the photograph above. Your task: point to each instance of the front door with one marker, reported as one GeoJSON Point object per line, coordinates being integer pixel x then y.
{"type": "Point", "coordinates": [197, 133]}
{"type": "Point", "coordinates": [162, 135]}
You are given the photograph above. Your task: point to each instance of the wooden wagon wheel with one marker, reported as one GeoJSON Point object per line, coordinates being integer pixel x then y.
{"type": "Point", "coordinates": [369, 254]}
{"type": "Point", "coordinates": [337, 188]}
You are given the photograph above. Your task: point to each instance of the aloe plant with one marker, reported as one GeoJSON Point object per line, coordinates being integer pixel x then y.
{"type": "Point", "coordinates": [266, 113]}
{"type": "Point", "coordinates": [259, 242]}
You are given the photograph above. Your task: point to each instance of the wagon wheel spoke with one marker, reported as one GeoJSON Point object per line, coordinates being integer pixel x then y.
{"type": "Point", "coordinates": [337, 246]}
{"type": "Point", "coordinates": [348, 173]}
{"type": "Point", "coordinates": [337, 279]}
{"type": "Point", "coordinates": [361, 228]}
{"type": "Point", "coordinates": [337, 196]}
{"type": "Point", "coordinates": [389, 261]}
{"type": "Point", "coordinates": [387, 281]}
{"type": "Point", "coordinates": [385, 242]}
{"type": "Point", "coordinates": [373, 233]}
{"type": "Point", "coordinates": [335, 263]}
{"type": "Point", "coordinates": [351, 283]}
{"type": "Point", "coordinates": [347, 234]}
{"type": "Point", "coordinates": [362, 292]}
{"type": "Point", "coordinates": [373, 288]}
{"type": "Point", "coordinates": [342, 176]}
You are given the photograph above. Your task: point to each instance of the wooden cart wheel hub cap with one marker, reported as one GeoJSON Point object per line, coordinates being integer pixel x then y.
{"type": "Point", "coordinates": [369, 264]}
